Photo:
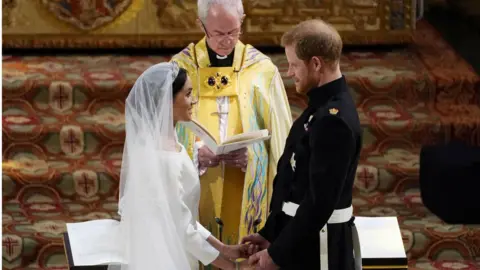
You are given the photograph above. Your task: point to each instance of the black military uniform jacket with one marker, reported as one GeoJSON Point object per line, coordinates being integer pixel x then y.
{"type": "Point", "coordinates": [316, 171]}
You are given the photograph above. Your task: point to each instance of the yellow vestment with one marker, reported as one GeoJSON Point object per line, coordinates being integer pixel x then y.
{"type": "Point", "coordinates": [257, 100]}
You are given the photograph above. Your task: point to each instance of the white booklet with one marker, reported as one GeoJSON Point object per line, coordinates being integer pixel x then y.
{"type": "Point", "coordinates": [232, 143]}
{"type": "Point", "coordinates": [95, 242]}
{"type": "Point", "coordinates": [380, 240]}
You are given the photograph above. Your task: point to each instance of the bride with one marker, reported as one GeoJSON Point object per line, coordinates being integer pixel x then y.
{"type": "Point", "coordinates": [159, 186]}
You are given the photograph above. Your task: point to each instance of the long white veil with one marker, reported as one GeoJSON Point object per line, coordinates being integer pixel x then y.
{"type": "Point", "coordinates": [150, 234]}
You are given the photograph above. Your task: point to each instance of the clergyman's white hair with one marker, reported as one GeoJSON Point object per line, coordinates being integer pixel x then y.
{"type": "Point", "coordinates": [235, 7]}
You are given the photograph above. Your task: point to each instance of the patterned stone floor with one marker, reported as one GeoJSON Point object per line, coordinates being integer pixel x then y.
{"type": "Point", "coordinates": [63, 132]}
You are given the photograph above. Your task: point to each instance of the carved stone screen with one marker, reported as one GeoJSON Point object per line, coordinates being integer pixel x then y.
{"type": "Point", "coordinates": [172, 23]}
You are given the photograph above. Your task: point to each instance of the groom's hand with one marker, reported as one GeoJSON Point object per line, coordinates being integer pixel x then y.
{"type": "Point", "coordinates": [262, 261]}
{"type": "Point", "coordinates": [207, 158]}
{"type": "Point", "coordinates": [256, 242]}
{"type": "Point", "coordinates": [238, 158]}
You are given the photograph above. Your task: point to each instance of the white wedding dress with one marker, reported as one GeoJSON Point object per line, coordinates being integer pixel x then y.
{"type": "Point", "coordinates": [186, 185]}
{"type": "Point", "coordinates": [197, 247]}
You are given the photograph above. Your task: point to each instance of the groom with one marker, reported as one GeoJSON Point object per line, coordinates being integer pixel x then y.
{"type": "Point", "coordinates": [310, 223]}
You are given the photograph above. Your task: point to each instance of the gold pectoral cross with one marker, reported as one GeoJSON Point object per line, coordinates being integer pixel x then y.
{"type": "Point", "coordinates": [221, 112]}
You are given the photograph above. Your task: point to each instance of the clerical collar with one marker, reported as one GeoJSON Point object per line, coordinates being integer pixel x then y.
{"type": "Point", "coordinates": [320, 95]}
{"type": "Point", "coordinates": [219, 61]}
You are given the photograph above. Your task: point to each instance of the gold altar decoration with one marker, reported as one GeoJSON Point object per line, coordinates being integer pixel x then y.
{"type": "Point", "coordinates": [172, 24]}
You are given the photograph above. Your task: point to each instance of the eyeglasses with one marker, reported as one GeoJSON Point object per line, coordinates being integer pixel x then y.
{"type": "Point", "coordinates": [221, 36]}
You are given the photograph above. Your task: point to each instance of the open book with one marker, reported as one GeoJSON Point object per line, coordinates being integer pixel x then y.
{"type": "Point", "coordinates": [232, 143]}
{"type": "Point", "coordinates": [93, 243]}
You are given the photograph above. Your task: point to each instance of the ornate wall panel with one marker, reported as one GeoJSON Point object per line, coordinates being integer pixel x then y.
{"type": "Point", "coordinates": [171, 23]}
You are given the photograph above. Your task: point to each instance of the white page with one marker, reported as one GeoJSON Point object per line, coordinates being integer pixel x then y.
{"type": "Point", "coordinates": [204, 136]}
{"type": "Point", "coordinates": [380, 237]}
{"type": "Point", "coordinates": [252, 135]}
{"type": "Point", "coordinates": [95, 242]}
{"type": "Point", "coordinates": [227, 148]}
